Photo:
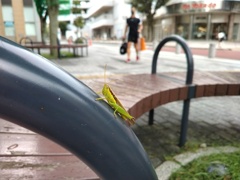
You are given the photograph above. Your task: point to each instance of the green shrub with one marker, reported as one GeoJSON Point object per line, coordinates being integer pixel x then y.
{"type": "Point", "coordinates": [78, 41]}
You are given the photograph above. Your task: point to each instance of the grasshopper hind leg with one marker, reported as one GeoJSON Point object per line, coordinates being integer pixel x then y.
{"type": "Point", "coordinates": [99, 99]}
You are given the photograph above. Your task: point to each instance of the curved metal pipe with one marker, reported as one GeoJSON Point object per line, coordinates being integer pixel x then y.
{"type": "Point", "coordinates": [42, 97]}
{"type": "Point", "coordinates": [189, 79]}
{"type": "Point", "coordinates": [189, 57]}
{"type": "Point", "coordinates": [26, 38]}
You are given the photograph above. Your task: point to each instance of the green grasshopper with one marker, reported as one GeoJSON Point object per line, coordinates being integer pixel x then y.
{"type": "Point", "coordinates": [114, 102]}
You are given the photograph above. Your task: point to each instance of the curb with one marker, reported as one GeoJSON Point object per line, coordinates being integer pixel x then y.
{"type": "Point", "coordinates": [165, 170]}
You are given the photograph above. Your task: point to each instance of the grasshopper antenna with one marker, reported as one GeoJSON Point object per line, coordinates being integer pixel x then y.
{"type": "Point", "coordinates": [105, 77]}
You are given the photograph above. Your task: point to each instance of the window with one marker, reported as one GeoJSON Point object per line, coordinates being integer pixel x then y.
{"type": "Point", "coordinates": [6, 2]}
{"type": "Point", "coordinates": [28, 14]}
{"type": "Point", "coordinates": [9, 28]}
{"type": "Point", "coordinates": [235, 31]}
{"type": "Point", "coordinates": [199, 30]}
{"type": "Point", "coordinates": [7, 13]}
{"type": "Point", "coordinates": [182, 26]}
{"type": "Point", "coordinates": [28, 3]}
{"type": "Point", "coordinates": [30, 29]}
{"type": "Point", "coordinates": [216, 28]}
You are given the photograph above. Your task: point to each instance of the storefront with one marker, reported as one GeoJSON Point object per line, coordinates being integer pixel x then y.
{"type": "Point", "coordinates": [200, 20]}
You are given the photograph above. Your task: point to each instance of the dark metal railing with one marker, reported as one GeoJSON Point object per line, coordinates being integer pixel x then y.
{"type": "Point", "coordinates": [25, 40]}
{"type": "Point", "coordinates": [189, 78]}
{"type": "Point", "coordinates": [38, 95]}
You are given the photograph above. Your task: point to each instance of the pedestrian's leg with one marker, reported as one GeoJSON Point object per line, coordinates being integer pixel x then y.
{"type": "Point", "coordinates": [136, 45]}
{"type": "Point", "coordinates": [220, 45]}
{"type": "Point", "coordinates": [128, 51]}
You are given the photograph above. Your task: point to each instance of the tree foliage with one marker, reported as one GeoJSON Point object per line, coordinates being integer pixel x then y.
{"type": "Point", "coordinates": [79, 22]}
{"type": "Point", "coordinates": [76, 6]}
{"type": "Point", "coordinates": [149, 8]}
{"type": "Point", "coordinates": [63, 27]}
{"type": "Point", "coordinates": [41, 6]}
{"type": "Point", "coordinates": [75, 9]}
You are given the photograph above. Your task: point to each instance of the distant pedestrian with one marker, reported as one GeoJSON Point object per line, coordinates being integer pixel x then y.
{"type": "Point", "coordinates": [70, 40]}
{"type": "Point", "coordinates": [134, 27]}
{"type": "Point", "coordinates": [221, 37]}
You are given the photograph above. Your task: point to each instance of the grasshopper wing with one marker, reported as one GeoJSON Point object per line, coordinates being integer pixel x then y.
{"type": "Point", "coordinates": [116, 99]}
{"type": "Point", "coordinates": [130, 120]}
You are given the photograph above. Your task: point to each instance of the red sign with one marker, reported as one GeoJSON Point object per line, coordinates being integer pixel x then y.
{"type": "Point", "coordinates": [198, 6]}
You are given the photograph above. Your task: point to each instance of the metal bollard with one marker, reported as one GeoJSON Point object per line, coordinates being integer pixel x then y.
{"type": "Point", "coordinates": [178, 48]}
{"type": "Point", "coordinates": [212, 50]}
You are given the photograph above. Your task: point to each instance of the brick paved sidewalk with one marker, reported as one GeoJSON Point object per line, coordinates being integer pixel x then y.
{"type": "Point", "coordinates": [213, 120]}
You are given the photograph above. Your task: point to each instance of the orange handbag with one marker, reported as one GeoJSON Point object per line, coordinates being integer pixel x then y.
{"type": "Point", "coordinates": [142, 44]}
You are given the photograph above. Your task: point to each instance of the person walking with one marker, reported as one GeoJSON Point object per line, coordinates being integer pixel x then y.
{"type": "Point", "coordinates": [221, 37]}
{"type": "Point", "coordinates": [134, 28]}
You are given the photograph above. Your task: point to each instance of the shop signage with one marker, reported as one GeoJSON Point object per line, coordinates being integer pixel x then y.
{"type": "Point", "coordinates": [183, 6]}
{"type": "Point", "coordinates": [196, 6]}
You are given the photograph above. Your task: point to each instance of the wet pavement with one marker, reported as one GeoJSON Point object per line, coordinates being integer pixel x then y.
{"type": "Point", "coordinates": [212, 121]}
{"type": "Point", "coordinates": [26, 155]}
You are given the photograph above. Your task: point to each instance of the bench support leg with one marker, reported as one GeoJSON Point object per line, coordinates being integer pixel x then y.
{"type": "Point", "coordinates": [74, 52]}
{"type": "Point", "coordinates": [151, 115]}
{"type": "Point", "coordinates": [184, 123]}
{"type": "Point", "coordinates": [59, 53]}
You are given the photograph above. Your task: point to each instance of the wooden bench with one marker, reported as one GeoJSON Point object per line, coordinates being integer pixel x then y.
{"type": "Point", "coordinates": [142, 93]}
{"type": "Point", "coordinates": [75, 48]}
{"type": "Point", "coordinates": [38, 45]}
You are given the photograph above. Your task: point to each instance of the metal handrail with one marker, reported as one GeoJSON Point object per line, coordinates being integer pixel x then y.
{"type": "Point", "coordinates": [63, 109]}
{"type": "Point", "coordinates": [189, 79]}
{"type": "Point", "coordinates": [182, 42]}
{"type": "Point", "coordinates": [25, 40]}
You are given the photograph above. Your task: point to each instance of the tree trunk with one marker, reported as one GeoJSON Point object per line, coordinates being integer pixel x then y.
{"type": "Point", "coordinates": [150, 28]}
{"type": "Point", "coordinates": [43, 30]}
{"type": "Point", "coordinates": [53, 17]}
{"type": "Point", "coordinates": [150, 32]}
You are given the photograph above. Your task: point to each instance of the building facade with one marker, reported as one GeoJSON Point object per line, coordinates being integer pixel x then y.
{"type": "Point", "coordinates": [106, 19]}
{"type": "Point", "coordinates": [199, 20]}
{"type": "Point", "coordinates": [191, 19]}
{"type": "Point", "coordinates": [19, 18]}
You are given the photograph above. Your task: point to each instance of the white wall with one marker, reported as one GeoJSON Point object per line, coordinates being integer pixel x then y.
{"type": "Point", "coordinates": [121, 12]}
{"type": "Point", "coordinates": [37, 23]}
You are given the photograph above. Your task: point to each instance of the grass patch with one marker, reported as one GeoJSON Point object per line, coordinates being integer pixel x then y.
{"type": "Point", "coordinates": [64, 54]}
{"type": "Point", "coordinates": [199, 168]}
